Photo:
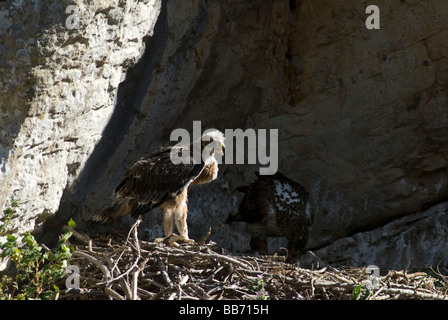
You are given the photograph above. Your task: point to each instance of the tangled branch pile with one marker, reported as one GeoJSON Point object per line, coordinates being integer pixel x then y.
{"type": "Point", "coordinates": [119, 268]}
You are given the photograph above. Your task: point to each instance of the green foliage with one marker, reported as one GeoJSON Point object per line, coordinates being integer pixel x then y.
{"type": "Point", "coordinates": [38, 268]}
{"type": "Point", "coordinates": [8, 214]}
{"type": "Point", "coordinates": [258, 287]}
{"type": "Point", "coordinates": [356, 293]}
{"type": "Point", "coordinates": [360, 292]}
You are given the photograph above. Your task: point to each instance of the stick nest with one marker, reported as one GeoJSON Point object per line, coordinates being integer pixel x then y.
{"type": "Point", "coordinates": [120, 268]}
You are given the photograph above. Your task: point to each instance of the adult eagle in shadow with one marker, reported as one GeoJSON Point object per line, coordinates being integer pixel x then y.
{"type": "Point", "coordinates": [275, 206]}
{"type": "Point", "coordinates": [162, 179]}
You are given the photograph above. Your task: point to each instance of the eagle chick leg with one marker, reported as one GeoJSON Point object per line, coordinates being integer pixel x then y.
{"type": "Point", "coordinates": [175, 212]}
{"type": "Point", "coordinates": [180, 219]}
{"type": "Point", "coordinates": [180, 215]}
{"type": "Point", "coordinates": [167, 222]}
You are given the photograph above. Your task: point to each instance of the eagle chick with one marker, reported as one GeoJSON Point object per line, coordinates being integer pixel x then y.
{"type": "Point", "coordinates": [157, 181]}
{"type": "Point", "coordinates": [275, 206]}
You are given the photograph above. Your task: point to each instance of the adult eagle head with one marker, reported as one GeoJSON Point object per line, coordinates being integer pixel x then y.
{"type": "Point", "coordinates": [158, 181]}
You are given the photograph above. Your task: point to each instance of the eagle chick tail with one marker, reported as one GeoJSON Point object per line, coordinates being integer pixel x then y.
{"type": "Point", "coordinates": [119, 208]}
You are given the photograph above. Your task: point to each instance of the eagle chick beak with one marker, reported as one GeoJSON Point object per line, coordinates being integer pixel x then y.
{"type": "Point", "coordinates": [223, 149]}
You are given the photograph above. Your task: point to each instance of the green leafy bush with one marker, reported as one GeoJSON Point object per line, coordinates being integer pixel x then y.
{"type": "Point", "coordinates": [37, 268]}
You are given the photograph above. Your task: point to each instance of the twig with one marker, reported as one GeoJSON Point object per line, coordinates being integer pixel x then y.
{"type": "Point", "coordinates": [95, 261]}
{"type": "Point", "coordinates": [321, 261]}
{"type": "Point", "coordinates": [135, 285]}
{"type": "Point", "coordinates": [209, 232]}
{"type": "Point", "coordinates": [127, 268]}
{"type": "Point", "coordinates": [113, 294]}
{"type": "Point", "coordinates": [81, 237]}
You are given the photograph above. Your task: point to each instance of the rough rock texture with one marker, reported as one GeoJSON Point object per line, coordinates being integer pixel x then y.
{"type": "Point", "coordinates": [362, 114]}
{"type": "Point", "coordinates": [59, 87]}
{"type": "Point", "coordinates": [419, 239]}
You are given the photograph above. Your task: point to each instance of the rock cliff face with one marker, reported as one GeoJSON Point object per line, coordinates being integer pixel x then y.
{"type": "Point", "coordinates": [60, 74]}
{"type": "Point", "coordinates": [362, 115]}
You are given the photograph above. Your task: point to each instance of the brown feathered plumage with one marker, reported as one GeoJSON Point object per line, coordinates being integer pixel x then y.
{"type": "Point", "coordinates": [275, 206]}
{"type": "Point", "coordinates": [155, 181]}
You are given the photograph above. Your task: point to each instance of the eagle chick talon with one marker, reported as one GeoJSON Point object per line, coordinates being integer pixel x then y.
{"type": "Point", "coordinates": [186, 240]}
{"type": "Point", "coordinates": [173, 240]}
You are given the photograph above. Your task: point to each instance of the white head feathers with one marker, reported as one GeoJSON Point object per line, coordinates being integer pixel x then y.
{"type": "Point", "coordinates": [215, 148]}
{"type": "Point", "coordinates": [213, 135]}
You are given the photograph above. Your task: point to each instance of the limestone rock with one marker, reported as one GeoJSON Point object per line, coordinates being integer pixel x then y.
{"type": "Point", "coordinates": [404, 241]}
{"type": "Point", "coordinates": [362, 114]}
{"type": "Point", "coordinates": [59, 85]}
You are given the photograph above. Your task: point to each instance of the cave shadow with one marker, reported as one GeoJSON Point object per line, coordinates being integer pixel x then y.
{"type": "Point", "coordinates": [130, 95]}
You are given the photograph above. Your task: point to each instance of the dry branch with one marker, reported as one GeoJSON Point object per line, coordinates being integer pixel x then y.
{"type": "Point", "coordinates": [128, 268]}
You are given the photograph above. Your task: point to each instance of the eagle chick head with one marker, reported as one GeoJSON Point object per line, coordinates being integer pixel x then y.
{"type": "Point", "coordinates": [214, 139]}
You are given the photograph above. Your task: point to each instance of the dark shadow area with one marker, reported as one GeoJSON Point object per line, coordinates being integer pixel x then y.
{"type": "Point", "coordinates": [130, 95]}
